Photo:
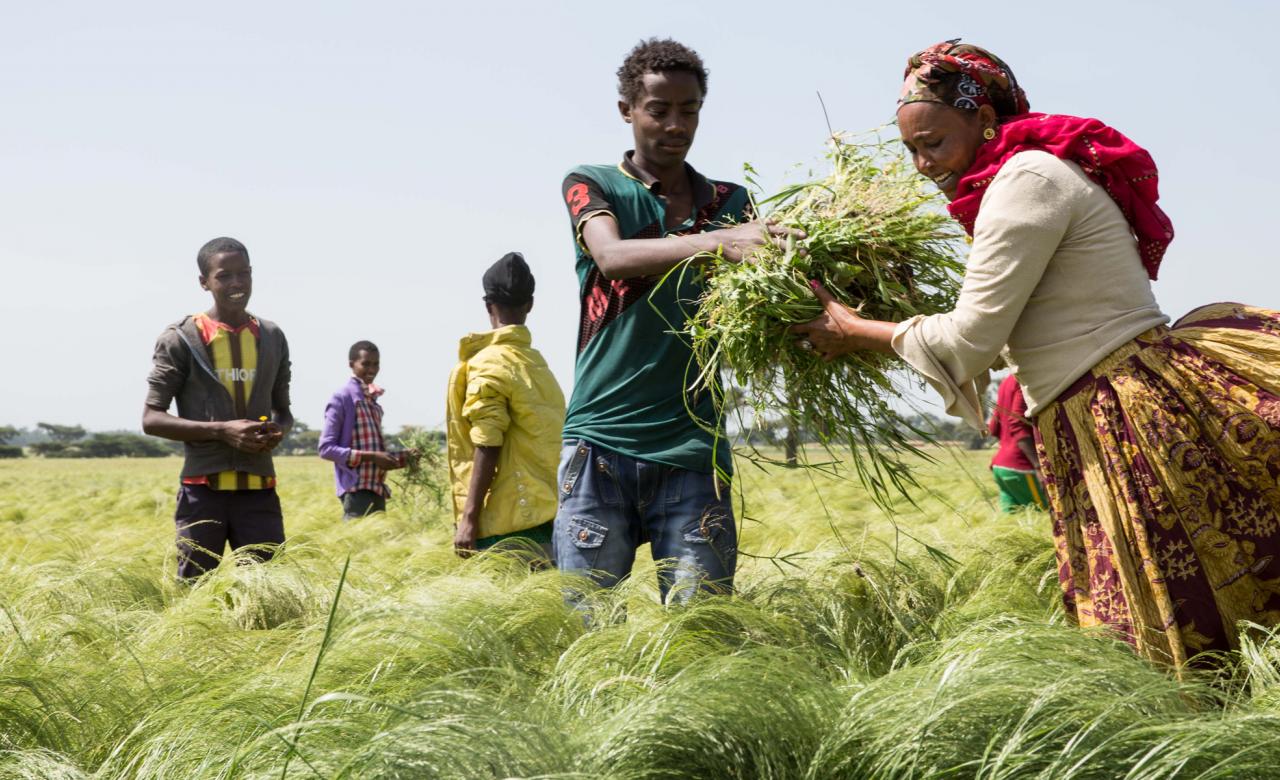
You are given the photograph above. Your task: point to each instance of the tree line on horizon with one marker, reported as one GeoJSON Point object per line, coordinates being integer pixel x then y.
{"type": "Point", "coordinates": [52, 440]}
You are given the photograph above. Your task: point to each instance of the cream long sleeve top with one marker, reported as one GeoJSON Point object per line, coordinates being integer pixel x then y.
{"type": "Point", "coordinates": [1054, 283]}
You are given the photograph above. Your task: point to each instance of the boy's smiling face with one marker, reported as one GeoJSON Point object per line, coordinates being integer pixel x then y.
{"type": "Point", "coordinates": [230, 280]}
{"type": "Point", "coordinates": [365, 366]}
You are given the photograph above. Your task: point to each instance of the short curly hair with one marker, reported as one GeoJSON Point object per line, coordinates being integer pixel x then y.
{"type": "Point", "coordinates": [361, 346]}
{"type": "Point", "coordinates": [218, 246]}
{"type": "Point", "coordinates": [658, 55]}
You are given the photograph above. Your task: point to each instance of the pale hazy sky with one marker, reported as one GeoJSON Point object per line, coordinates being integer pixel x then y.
{"type": "Point", "coordinates": [376, 157]}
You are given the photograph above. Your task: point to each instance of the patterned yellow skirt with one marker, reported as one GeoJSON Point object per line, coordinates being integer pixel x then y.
{"type": "Point", "coordinates": [1162, 467]}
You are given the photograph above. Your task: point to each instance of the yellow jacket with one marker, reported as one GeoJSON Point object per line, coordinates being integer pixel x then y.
{"type": "Point", "coordinates": [502, 394]}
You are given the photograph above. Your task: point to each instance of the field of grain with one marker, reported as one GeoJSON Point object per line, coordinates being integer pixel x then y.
{"type": "Point", "coordinates": [859, 645]}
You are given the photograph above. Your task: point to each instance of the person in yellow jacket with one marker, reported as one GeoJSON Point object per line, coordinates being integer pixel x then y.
{"type": "Point", "coordinates": [505, 414]}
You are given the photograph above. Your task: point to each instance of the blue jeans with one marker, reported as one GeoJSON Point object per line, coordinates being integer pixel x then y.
{"type": "Point", "coordinates": [611, 503]}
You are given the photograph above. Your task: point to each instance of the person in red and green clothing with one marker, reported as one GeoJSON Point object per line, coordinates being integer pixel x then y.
{"type": "Point", "coordinates": [1016, 467]}
{"type": "Point", "coordinates": [229, 372]}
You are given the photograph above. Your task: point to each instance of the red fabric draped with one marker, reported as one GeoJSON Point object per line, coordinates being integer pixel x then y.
{"type": "Point", "coordinates": [1124, 169]}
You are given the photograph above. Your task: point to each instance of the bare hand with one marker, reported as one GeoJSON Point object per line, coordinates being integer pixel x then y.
{"type": "Point", "coordinates": [739, 243]}
{"type": "Point", "coordinates": [246, 436]}
{"type": "Point", "coordinates": [464, 538]}
{"type": "Point", "coordinates": [383, 460]}
{"type": "Point", "coordinates": [273, 433]}
{"type": "Point", "coordinates": [832, 333]}
{"type": "Point", "coordinates": [402, 459]}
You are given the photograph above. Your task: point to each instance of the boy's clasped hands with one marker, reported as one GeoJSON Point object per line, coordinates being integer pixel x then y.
{"type": "Point", "coordinates": [251, 435]}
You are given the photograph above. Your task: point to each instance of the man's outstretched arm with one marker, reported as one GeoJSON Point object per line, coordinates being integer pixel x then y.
{"type": "Point", "coordinates": [619, 258]}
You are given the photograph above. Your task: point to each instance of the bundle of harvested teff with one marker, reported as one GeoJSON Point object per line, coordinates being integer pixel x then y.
{"type": "Point", "coordinates": [878, 241]}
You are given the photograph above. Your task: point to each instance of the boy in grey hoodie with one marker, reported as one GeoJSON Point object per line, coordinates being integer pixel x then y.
{"type": "Point", "coordinates": [229, 373]}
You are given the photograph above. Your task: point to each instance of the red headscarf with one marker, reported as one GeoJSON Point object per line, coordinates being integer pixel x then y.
{"type": "Point", "coordinates": [1124, 169]}
{"type": "Point", "coordinates": [965, 77]}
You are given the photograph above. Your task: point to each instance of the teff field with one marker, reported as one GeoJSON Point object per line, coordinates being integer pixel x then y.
{"type": "Point", "coordinates": [928, 643]}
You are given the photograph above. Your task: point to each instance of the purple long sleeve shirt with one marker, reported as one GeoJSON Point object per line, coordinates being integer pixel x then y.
{"type": "Point", "coordinates": [339, 432]}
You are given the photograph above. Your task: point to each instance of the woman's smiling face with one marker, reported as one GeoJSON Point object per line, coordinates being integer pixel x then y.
{"type": "Point", "coordinates": [943, 140]}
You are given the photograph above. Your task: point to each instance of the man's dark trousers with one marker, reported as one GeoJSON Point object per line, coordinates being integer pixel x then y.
{"type": "Point", "coordinates": [209, 519]}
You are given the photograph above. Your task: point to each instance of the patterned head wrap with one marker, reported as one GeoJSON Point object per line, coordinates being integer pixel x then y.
{"type": "Point", "coordinates": [957, 74]}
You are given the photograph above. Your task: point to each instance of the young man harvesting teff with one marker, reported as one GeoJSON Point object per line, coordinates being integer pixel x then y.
{"type": "Point", "coordinates": [636, 465]}
{"type": "Point", "coordinates": [229, 372]}
{"type": "Point", "coordinates": [505, 411]}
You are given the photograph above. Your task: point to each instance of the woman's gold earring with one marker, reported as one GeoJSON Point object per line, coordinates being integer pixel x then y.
{"type": "Point", "coordinates": [989, 133]}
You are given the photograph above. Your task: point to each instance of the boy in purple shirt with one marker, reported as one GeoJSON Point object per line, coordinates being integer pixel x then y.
{"type": "Point", "coordinates": [352, 437]}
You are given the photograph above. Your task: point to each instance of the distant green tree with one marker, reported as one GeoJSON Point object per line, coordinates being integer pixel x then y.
{"type": "Point", "coordinates": [121, 445]}
{"type": "Point", "coordinates": [290, 440]}
{"type": "Point", "coordinates": [8, 432]}
{"type": "Point", "coordinates": [301, 440]}
{"type": "Point", "coordinates": [413, 432]}
{"type": "Point", "coordinates": [9, 451]}
{"type": "Point", "coordinates": [53, 449]}
{"type": "Point", "coordinates": [113, 444]}
{"type": "Point", "coordinates": [25, 436]}
{"type": "Point", "coordinates": [62, 433]}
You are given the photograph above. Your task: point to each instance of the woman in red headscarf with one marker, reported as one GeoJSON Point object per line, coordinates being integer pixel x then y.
{"type": "Point", "coordinates": [1160, 445]}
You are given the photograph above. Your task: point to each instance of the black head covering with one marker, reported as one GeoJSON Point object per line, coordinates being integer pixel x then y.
{"type": "Point", "coordinates": [509, 281]}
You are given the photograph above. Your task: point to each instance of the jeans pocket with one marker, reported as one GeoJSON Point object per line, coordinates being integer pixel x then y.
{"type": "Point", "coordinates": [586, 534]}
{"type": "Point", "coordinates": [580, 547]}
{"type": "Point", "coordinates": [605, 480]}
{"type": "Point", "coordinates": [574, 456]}
{"type": "Point", "coordinates": [708, 528]}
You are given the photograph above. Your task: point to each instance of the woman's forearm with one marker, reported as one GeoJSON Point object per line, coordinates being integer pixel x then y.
{"type": "Point", "coordinates": [874, 335]}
